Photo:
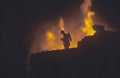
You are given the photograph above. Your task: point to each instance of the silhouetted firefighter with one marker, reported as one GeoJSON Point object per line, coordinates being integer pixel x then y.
{"type": "Point", "coordinates": [66, 39]}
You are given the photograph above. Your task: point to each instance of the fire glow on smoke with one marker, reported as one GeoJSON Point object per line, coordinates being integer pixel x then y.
{"type": "Point", "coordinates": [54, 43]}
{"type": "Point", "coordinates": [88, 22]}
{"type": "Point", "coordinates": [53, 37]}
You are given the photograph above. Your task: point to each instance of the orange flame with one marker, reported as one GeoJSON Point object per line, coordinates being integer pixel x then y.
{"type": "Point", "coordinates": [50, 36]}
{"type": "Point", "coordinates": [50, 41]}
{"type": "Point", "coordinates": [88, 22]}
{"type": "Point", "coordinates": [61, 24]}
{"type": "Point", "coordinates": [53, 40]}
{"type": "Point", "coordinates": [88, 29]}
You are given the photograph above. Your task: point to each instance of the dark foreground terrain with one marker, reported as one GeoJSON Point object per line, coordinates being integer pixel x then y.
{"type": "Point", "coordinates": [95, 57]}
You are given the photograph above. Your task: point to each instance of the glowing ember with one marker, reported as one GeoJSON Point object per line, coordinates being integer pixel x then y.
{"type": "Point", "coordinates": [88, 22]}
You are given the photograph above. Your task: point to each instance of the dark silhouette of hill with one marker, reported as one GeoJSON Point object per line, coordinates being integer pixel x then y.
{"type": "Point", "coordinates": [97, 56]}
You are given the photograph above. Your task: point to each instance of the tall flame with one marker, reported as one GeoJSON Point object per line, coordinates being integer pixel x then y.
{"type": "Point", "coordinates": [88, 22]}
{"type": "Point", "coordinates": [61, 24]}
